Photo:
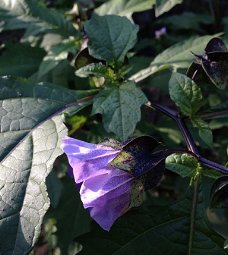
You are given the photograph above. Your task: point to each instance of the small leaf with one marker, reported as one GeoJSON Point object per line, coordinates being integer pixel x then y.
{"type": "Point", "coordinates": [185, 94]}
{"type": "Point", "coordinates": [183, 164]}
{"type": "Point", "coordinates": [95, 69]}
{"type": "Point", "coordinates": [205, 132]}
{"type": "Point", "coordinates": [120, 107]}
{"type": "Point", "coordinates": [110, 37]}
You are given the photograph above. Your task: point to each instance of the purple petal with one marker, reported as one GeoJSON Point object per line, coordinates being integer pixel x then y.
{"type": "Point", "coordinates": [105, 215]}
{"type": "Point", "coordinates": [105, 190]}
{"type": "Point", "coordinates": [108, 185]}
{"type": "Point", "coordinates": [87, 159]}
{"type": "Point", "coordinates": [107, 196]}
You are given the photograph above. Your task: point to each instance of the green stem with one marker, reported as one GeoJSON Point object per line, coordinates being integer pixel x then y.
{"type": "Point", "coordinates": [193, 212]}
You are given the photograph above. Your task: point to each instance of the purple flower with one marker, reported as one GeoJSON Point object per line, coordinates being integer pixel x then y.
{"type": "Point", "coordinates": [161, 32]}
{"type": "Point", "coordinates": [105, 190]}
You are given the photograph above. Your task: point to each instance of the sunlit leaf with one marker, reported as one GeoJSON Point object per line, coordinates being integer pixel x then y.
{"type": "Point", "coordinates": [177, 56]}
{"type": "Point", "coordinates": [124, 7]}
{"type": "Point", "coordinates": [31, 132]}
{"type": "Point", "coordinates": [163, 6]}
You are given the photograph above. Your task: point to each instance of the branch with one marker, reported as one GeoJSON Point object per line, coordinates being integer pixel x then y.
{"type": "Point", "coordinates": [192, 148]}
{"type": "Point", "coordinates": [215, 114]}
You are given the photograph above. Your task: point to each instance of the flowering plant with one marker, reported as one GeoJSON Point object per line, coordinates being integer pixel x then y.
{"type": "Point", "coordinates": [108, 176]}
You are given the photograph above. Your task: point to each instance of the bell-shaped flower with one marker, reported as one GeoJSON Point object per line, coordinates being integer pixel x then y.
{"type": "Point", "coordinates": [105, 191]}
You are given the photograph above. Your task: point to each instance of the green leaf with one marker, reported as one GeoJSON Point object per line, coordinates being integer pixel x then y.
{"type": "Point", "coordinates": [182, 163]}
{"type": "Point", "coordinates": [35, 17]}
{"type": "Point", "coordinates": [95, 69]}
{"type": "Point", "coordinates": [20, 60]}
{"type": "Point", "coordinates": [110, 37]}
{"type": "Point", "coordinates": [175, 230]}
{"type": "Point", "coordinates": [120, 107]}
{"type": "Point", "coordinates": [185, 93]}
{"type": "Point", "coordinates": [72, 218]}
{"type": "Point", "coordinates": [188, 21]}
{"type": "Point", "coordinates": [54, 188]}
{"type": "Point", "coordinates": [211, 173]}
{"type": "Point", "coordinates": [127, 8]}
{"type": "Point", "coordinates": [205, 132]}
{"type": "Point", "coordinates": [30, 138]}
{"type": "Point", "coordinates": [58, 53]}
{"type": "Point", "coordinates": [177, 56]}
{"type": "Point", "coordinates": [124, 7]}
{"type": "Point", "coordinates": [163, 6]}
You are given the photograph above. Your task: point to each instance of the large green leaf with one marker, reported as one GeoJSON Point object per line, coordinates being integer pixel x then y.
{"type": "Point", "coordinates": [120, 107]}
{"type": "Point", "coordinates": [110, 37]}
{"type": "Point", "coordinates": [35, 17]}
{"type": "Point", "coordinates": [175, 230]}
{"type": "Point", "coordinates": [124, 7]}
{"type": "Point", "coordinates": [177, 56]}
{"type": "Point", "coordinates": [20, 60]}
{"type": "Point", "coordinates": [30, 138]}
{"type": "Point", "coordinates": [185, 93]}
{"type": "Point", "coordinates": [127, 8]}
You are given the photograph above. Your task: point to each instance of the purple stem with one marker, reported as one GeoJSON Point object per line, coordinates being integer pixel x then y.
{"type": "Point", "coordinates": [181, 124]}
{"type": "Point", "coordinates": [214, 165]}
{"type": "Point", "coordinates": [215, 114]}
{"type": "Point", "coordinates": [192, 149]}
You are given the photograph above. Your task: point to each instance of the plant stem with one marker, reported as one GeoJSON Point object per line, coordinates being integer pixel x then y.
{"type": "Point", "coordinates": [213, 165]}
{"type": "Point", "coordinates": [181, 124]}
{"type": "Point", "coordinates": [192, 149]}
{"type": "Point", "coordinates": [215, 115]}
{"type": "Point", "coordinates": [193, 213]}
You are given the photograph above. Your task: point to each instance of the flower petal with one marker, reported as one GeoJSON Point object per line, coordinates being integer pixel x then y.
{"type": "Point", "coordinates": [105, 190]}
{"type": "Point", "coordinates": [107, 196]}
{"type": "Point", "coordinates": [108, 185]}
{"type": "Point", "coordinates": [87, 159]}
{"type": "Point", "coordinates": [106, 214]}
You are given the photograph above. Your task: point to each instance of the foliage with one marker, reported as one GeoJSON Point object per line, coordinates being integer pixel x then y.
{"type": "Point", "coordinates": [120, 69]}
